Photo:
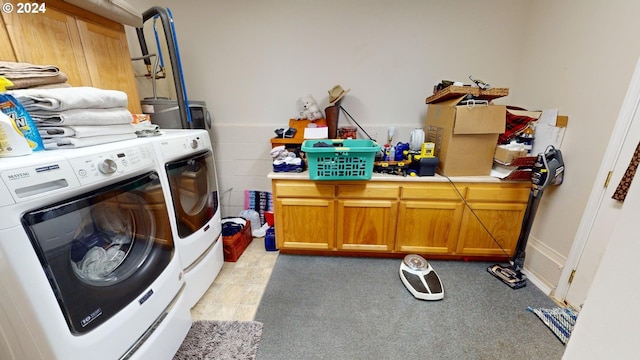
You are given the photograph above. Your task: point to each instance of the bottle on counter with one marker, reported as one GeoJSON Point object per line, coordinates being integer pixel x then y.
{"type": "Point", "coordinates": [12, 142]}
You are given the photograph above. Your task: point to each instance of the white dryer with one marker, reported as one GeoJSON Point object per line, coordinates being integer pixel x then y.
{"type": "Point", "coordinates": [88, 264]}
{"type": "Point", "coordinates": [191, 180]}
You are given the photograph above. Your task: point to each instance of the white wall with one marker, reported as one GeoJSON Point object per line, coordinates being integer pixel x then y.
{"type": "Point", "coordinates": [251, 60]}
{"type": "Point", "coordinates": [580, 56]}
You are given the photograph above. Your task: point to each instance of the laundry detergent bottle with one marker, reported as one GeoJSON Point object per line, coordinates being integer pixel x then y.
{"type": "Point", "coordinates": [12, 143]}
{"type": "Point", "coordinates": [21, 119]}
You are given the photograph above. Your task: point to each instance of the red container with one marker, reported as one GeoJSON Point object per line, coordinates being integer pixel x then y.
{"type": "Point", "coordinates": [268, 216]}
{"type": "Point", "coordinates": [233, 246]}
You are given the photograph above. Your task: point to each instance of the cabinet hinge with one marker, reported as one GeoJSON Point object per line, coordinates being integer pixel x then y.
{"type": "Point", "coordinates": [606, 181]}
{"type": "Point", "coordinates": [573, 273]}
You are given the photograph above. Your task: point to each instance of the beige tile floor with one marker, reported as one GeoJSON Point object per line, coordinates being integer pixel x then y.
{"type": "Point", "coordinates": [235, 294]}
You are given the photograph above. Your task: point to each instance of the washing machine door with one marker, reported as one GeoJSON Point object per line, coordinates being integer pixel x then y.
{"type": "Point", "coordinates": [102, 250]}
{"type": "Point", "coordinates": [194, 191]}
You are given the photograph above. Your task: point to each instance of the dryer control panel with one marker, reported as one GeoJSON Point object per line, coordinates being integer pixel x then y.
{"type": "Point", "coordinates": [97, 167]}
{"type": "Point", "coordinates": [178, 146]}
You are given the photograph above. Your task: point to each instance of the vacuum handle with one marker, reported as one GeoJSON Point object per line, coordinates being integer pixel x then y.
{"type": "Point", "coordinates": [185, 116]}
{"type": "Point", "coordinates": [143, 47]}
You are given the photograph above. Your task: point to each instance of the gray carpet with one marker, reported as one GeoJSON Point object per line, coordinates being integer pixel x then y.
{"type": "Point", "coordinates": [221, 340]}
{"type": "Point", "coordinates": [323, 307]}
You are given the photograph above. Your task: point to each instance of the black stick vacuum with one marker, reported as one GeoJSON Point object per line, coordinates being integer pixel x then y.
{"type": "Point", "coordinates": [548, 169]}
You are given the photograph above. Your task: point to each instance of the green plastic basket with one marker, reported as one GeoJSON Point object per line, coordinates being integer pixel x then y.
{"type": "Point", "coordinates": [349, 159]}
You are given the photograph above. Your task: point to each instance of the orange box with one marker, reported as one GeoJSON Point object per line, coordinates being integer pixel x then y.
{"type": "Point", "coordinates": [233, 246]}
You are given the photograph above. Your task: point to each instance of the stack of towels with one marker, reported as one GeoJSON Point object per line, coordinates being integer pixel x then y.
{"type": "Point", "coordinates": [75, 117]}
{"type": "Point", "coordinates": [26, 75]}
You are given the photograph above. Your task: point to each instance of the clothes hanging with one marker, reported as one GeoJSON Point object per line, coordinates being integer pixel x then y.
{"type": "Point", "coordinates": [625, 183]}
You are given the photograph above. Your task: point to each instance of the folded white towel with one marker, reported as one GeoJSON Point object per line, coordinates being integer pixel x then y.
{"type": "Point", "coordinates": [20, 70]}
{"type": "Point", "coordinates": [48, 132]}
{"type": "Point", "coordinates": [60, 99]}
{"type": "Point", "coordinates": [80, 131]}
{"type": "Point", "coordinates": [82, 117]}
{"type": "Point", "coordinates": [71, 142]}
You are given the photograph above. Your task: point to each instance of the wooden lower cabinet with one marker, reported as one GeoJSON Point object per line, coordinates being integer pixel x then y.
{"type": "Point", "coordinates": [305, 224]}
{"type": "Point", "coordinates": [500, 208]}
{"type": "Point", "coordinates": [366, 216]}
{"type": "Point", "coordinates": [429, 218]}
{"type": "Point", "coordinates": [428, 227]}
{"type": "Point", "coordinates": [502, 220]}
{"type": "Point", "coordinates": [396, 218]}
{"type": "Point", "coordinates": [366, 225]}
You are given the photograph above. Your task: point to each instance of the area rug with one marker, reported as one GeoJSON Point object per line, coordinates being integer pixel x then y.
{"type": "Point", "coordinates": [221, 340]}
{"type": "Point", "coordinates": [559, 320]}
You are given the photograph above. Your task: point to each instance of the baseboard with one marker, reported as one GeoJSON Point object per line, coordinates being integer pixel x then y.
{"type": "Point", "coordinates": [534, 280]}
{"type": "Point", "coordinates": [543, 266]}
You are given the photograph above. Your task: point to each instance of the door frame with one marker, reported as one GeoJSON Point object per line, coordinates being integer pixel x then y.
{"type": "Point", "coordinates": [627, 113]}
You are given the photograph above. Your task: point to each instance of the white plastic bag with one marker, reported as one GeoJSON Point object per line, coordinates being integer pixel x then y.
{"type": "Point", "coordinates": [252, 216]}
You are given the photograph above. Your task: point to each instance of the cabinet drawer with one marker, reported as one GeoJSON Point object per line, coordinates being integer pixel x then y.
{"type": "Point", "coordinates": [432, 192]}
{"type": "Point", "coordinates": [498, 193]}
{"type": "Point", "coordinates": [303, 189]}
{"type": "Point", "coordinates": [368, 190]}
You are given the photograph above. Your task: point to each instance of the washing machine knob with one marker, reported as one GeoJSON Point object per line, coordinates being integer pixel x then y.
{"type": "Point", "coordinates": [194, 144]}
{"type": "Point", "coordinates": [108, 166]}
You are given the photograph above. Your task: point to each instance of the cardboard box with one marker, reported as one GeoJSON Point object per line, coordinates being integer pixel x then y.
{"type": "Point", "coordinates": [465, 137]}
{"type": "Point", "coordinates": [506, 156]}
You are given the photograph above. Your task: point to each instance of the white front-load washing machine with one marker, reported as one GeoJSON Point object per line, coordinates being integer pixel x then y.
{"type": "Point", "coordinates": [191, 180]}
{"type": "Point", "coordinates": [88, 263]}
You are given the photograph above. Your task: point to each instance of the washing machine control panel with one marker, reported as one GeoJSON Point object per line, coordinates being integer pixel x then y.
{"type": "Point", "coordinates": [34, 176]}
{"type": "Point", "coordinates": [111, 164]}
{"type": "Point", "coordinates": [108, 166]}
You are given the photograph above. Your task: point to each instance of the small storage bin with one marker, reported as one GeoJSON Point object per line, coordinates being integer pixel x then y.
{"type": "Point", "coordinates": [233, 246]}
{"type": "Point", "coordinates": [270, 240]}
{"type": "Point", "coordinates": [349, 159]}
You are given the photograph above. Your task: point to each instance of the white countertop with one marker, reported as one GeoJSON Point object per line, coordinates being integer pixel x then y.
{"type": "Point", "coordinates": [388, 177]}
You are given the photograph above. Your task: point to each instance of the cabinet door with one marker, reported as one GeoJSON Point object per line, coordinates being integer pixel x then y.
{"type": "Point", "coordinates": [6, 49]}
{"type": "Point", "coordinates": [107, 55]}
{"type": "Point", "coordinates": [502, 220]}
{"type": "Point", "coordinates": [49, 39]}
{"type": "Point", "coordinates": [366, 225]}
{"type": "Point", "coordinates": [305, 224]}
{"type": "Point", "coordinates": [91, 53]}
{"type": "Point", "coordinates": [429, 227]}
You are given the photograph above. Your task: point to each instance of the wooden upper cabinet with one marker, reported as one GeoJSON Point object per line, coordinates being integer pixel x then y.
{"type": "Point", "coordinates": [89, 49]}
{"type": "Point", "coordinates": [51, 38]}
{"type": "Point", "coordinates": [6, 48]}
{"type": "Point", "coordinates": [107, 71]}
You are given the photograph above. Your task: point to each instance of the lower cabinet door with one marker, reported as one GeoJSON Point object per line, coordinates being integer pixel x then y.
{"type": "Point", "coordinates": [366, 225]}
{"type": "Point", "coordinates": [498, 236]}
{"type": "Point", "coordinates": [307, 224]}
{"type": "Point", "coordinates": [428, 227]}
